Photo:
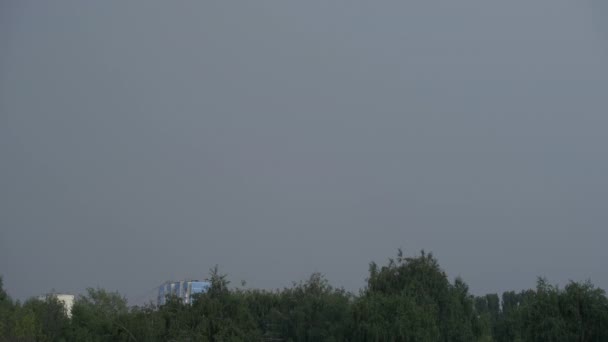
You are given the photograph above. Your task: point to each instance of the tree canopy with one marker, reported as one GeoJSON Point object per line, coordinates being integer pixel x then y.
{"type": "Point", "coordinates": [407, 299]}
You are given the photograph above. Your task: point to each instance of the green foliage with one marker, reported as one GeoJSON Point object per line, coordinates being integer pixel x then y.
{"type": "Point", "coordinates": [223, 314]}
{"type": "Point", "coordinates": [487, 309]}
{"type": "Point", "coordinates": [584, 309]}
{"type": "Point", "coordinates": [50, 316]}
{"type": "Point", "coordinates": [25, 327]}
{"type": "Point", "coordinates": [408, 299]}
{"type": "Point", "coordinates": [6, 313]}
{"type": "Point", "coordinates": [313, 311]}
{"type": "Point", "coordinates": [423, 288]}
{"type": "Point", "coordinates": [379, 317]}
{"type": "Point", "coordinates": [97, 316]}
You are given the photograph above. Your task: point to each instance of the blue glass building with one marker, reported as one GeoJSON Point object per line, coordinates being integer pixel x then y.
{"type": "Point", "coordinates": [185, 290]}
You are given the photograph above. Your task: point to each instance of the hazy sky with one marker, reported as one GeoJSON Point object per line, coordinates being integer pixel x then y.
{"type": "Point", "coordinates": [143, 141]}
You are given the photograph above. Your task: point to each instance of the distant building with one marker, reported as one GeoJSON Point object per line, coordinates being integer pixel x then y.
{"type": "Point", "coordinates": [66, 299]}
{"type": "Point", "coordinates": [184, 290]}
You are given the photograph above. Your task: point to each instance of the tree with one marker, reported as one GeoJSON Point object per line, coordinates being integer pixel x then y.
{"type": "Point", "coordinates": [50, 316]}
{"type": "Point", "coordinates": [26, 327]}
{"type": "Point", "coordinates": [314, 311]}
{"type": "Point", "coordinates": [6, 312]}
{"type": "Point", "coordinates": [408, 299]}
{"type": "Point", "coordinates": [543, 318]}
{"type": "Point", "coordinates": [97, 317]}
{"type": "Point", "coordinates": [219, 314]}
{"type": "Point", "coordinates": [423, 287]}
{"type": "Point", "coordinates": [584, 310]}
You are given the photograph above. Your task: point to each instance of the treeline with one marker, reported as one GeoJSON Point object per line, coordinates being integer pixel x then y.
{"type": "Point", "coordinates": [409, 299]}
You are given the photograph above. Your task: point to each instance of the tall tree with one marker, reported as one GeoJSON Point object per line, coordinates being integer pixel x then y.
{"type": "Point", "coordinates": [97, 316]}
{"type": "Point", "coordinates": [6, 312]}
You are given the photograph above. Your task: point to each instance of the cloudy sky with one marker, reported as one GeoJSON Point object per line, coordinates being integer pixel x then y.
{"type": "Point", "coordinates": [144, 141]}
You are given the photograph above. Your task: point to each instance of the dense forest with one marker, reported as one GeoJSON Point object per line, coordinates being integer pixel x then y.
{"type": "Point", "coordinates": [408, 299]}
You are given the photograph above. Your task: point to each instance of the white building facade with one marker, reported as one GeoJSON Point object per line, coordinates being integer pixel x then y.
{"type": "Point", "coordinates": [66, 299]}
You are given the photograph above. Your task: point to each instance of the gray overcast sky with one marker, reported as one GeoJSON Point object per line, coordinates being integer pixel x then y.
{"type": "Point", "coordinates": [143, 141]}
